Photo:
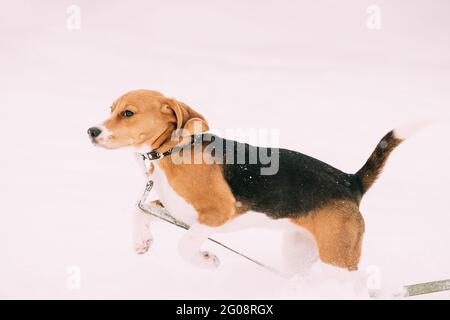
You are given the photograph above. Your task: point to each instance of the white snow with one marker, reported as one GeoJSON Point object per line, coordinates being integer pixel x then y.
{"type": "Point", "coordinates": [313, 71]}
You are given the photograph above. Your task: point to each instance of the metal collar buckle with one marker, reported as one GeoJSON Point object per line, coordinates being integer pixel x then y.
{"type": "Point", "coordinates": [152, 155]}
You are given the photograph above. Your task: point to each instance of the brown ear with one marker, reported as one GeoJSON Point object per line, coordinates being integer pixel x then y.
{"type": "Point", "coordinates": [171, 106]}
{"type": "Point", "coordinates": [186, 118]}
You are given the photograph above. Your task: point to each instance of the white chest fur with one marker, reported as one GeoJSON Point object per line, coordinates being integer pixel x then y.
{"type": "Point", "coordinates": [172, 201]}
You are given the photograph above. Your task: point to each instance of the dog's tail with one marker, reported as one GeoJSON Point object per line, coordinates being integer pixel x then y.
{"type": "Point", "coordinates": [370, 171]}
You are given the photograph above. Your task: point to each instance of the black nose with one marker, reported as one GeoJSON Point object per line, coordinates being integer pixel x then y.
{"type": "Point", "coordinates": [94, 132]}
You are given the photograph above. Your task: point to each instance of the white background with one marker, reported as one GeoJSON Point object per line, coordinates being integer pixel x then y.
{"type": "Point", "coordinates": [311, 69]}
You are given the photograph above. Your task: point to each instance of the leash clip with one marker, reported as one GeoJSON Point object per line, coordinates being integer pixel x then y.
{"type": "Point", "coordinates": [149, 186]}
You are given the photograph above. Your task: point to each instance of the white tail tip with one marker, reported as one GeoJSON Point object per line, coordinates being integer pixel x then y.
{"type": "Point", "coordinates": [406, 131]}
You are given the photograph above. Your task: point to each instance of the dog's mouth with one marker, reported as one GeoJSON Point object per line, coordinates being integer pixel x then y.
{"type": "Point", "coordinates": [99, 143]}
{"type": "Point", "coordinates": [103, 138]}
{"type": "Point", "coordinates": [108, 144]}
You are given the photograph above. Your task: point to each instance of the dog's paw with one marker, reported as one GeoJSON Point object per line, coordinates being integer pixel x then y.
{"type": "Point", "coordinates": [209, 260]}
{"type": "Point", "coordinates": [142, 246]}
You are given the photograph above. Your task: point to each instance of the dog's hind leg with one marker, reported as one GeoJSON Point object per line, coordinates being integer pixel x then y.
{"type": "Point", "coordinates": [338, 229]}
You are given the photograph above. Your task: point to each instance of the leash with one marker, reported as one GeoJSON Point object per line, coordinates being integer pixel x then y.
{"type": "Point", "coordinates": [162, 213]}
{"type": "Point", "coordinates": [425, 287]}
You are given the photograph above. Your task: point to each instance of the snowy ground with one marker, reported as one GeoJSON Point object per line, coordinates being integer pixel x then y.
{"type": "Point", "coordinates": [311, 69]}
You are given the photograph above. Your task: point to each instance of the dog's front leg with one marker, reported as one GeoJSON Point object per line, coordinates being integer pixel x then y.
{"type": "Point", "coordinates": [191, 243]}
{"type": "Point", "coordinates": [142, 235]}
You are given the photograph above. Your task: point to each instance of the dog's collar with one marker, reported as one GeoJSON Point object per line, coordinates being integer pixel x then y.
{"type": "Point", "coordinates": [155, 155]}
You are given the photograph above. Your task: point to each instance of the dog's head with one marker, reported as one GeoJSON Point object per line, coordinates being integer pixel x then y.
{"type": "Point", "coordinates": [145, 118]}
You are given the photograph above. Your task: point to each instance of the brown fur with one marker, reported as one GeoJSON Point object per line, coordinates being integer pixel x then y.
{"type": "Point", "coordinates": [338, 229]}
{"type": "Point", "coordinates": [204, 187]}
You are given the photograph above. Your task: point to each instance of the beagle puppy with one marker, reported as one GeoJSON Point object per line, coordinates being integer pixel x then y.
{"type": "Point", "coordinates": [220, 181]}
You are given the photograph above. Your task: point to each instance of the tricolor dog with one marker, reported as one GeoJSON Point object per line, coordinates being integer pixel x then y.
{"type": "Point", "coordinates": [211, 188]}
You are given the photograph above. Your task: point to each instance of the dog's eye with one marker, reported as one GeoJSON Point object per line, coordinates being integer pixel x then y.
{"type": "Point", "coordinates": [127, 113]}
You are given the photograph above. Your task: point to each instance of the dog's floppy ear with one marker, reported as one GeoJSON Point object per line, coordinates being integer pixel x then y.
{"type": "Point", "coordinates": [186, 118]}
{"type": "Point", "coordinates": [170, 106]}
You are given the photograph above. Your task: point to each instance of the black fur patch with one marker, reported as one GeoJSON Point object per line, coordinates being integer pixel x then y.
{"type": "Point", "coordinates": [301, 184]}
